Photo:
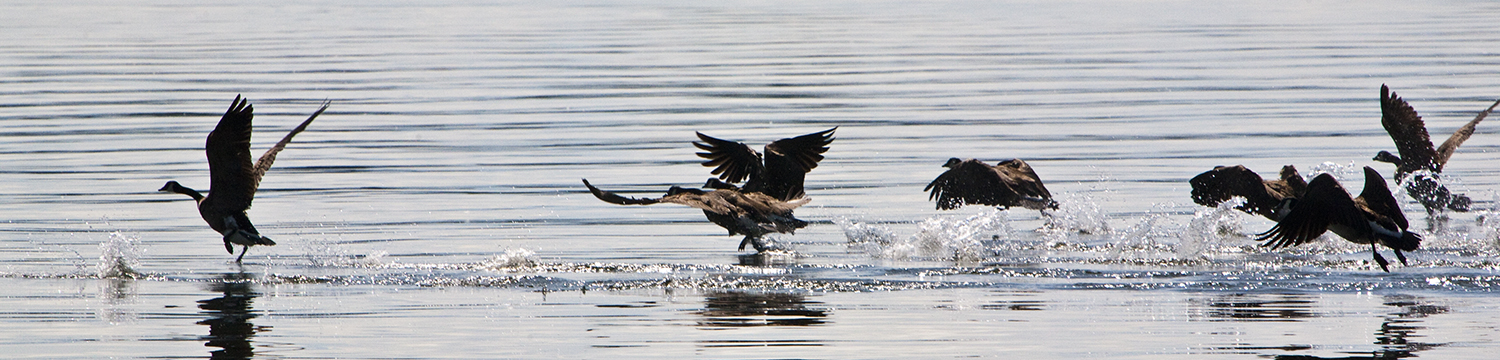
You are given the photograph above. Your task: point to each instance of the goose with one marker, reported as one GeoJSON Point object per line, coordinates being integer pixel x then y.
{"type": "Point", "coordinates": [1417, 154]}
{"type": "Point", "coordinates": [778, 173]}
{"type": "Point", "coordinates": [1262, 197]}
{"type": "Point", "coordinates": [233, 179]}
{"type": "Point", "coordinates": [1009, 183]}
{"type": "Point", "coordinates": [1372, 218]}
{"type": "Point", "coordinates": [751, 214]}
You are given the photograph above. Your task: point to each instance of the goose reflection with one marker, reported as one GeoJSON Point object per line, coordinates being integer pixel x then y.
{"type": "Point", "coordinates": [1396, 333]}
{"type": "Point", "coordinates": [737, 309]}
{"type": "Point", "coordinates": [1242, 307]}
{"type": "Point", "coordinates": [228, 317]}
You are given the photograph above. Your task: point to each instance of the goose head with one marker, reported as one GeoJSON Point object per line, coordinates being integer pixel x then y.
{"type": "Point", "coordinates": [1386, 156]}
{"type": "Point", "coordinates": [952, 162]}
{"type": "Point", "coordinates": [174, 187]}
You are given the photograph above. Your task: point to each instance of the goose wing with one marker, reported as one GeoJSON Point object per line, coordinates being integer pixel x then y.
{"type": "Point", "coordinates": [787, 161]}
{"type": "Point", "coordinates": [1022, 179]}
{"type": "Point", "coordinates": [1378, 199]}
{"type": "Point", "coordinates": [1216, 186]}
{"type": "Point", "coordinates": [232, 177]}
{"type": "Point", "coordinates": [270, 156]}
{"type": "Point", "coordinates": [969, 182]}
{"type": "Point", "coordinates": [613, 198]}
{"type": "Point", "coordinates": [1325, 203]}
{"type": "Point", "coordinates": [732, 161]}
{"type": "Point", "coordinates": [1445, 150]}
{"type": "Point", "coordinates": [1408, 131]}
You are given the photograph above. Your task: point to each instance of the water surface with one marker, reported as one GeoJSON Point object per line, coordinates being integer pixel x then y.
{"type": "Point", "coordinates": [435, 211]}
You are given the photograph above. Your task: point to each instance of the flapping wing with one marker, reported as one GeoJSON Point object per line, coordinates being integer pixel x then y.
{"type": "Point", "coordinates": [270, 156]}
{"type": "Point", "coordinates": [1378, 198]}
{"type": "Point", "coordinates": [1326, 202]}
{"type": "Point", "coordinates": [1408, 131]}
{"type": "Point", "coordinates": [613, 198]}
{"type": "Point", "coordinates": [802, 153]}
{"type": "Point", "coordinates": [970, 182]}
{"type": "Point", "coordinates": [787, 162]}
{"type": "Point", "coordinates": [232, 178]}
{"type": "Point", "coordinates": [1225, 182]}
{"type": "Point", "coordinates": [1445, 150]}
{"type": "Point", "coordinates": [1022, 179]}
{"type": "Point", "coordinates": [733, 161]}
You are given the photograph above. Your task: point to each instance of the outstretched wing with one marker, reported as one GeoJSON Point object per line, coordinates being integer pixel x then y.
{"type": "Point", "coordinates": [232, 178]}
{"type": "Point", "coordinates": [1378, 199]}
{"type": "Point", "coordinates": [969, 182]}
{"type": "Point", "coordinates": [1022, 179]}
{"type": "Point", "coordinates": [1408, 131]}
{"type": "Point", "coordinates": [1445, 150]}
{"type": "Point", "coordinates": [270, 156]}
{"type": "Point", "coordinates": [787, 162]}
{"type": "Point", "coordinates": [1326, 202]}
{"type": "Point", "coordinates": [613, 198]}
{"type": "Point", "coordinates": [1225, 182]}
{"type": "Point", "coordinates": [733, 161]}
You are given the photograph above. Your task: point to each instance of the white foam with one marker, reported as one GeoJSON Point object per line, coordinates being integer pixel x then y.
{"type": "Point", "coordinates": [119, 256]}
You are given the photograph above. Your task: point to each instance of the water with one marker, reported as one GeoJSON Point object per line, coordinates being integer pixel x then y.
{"type": "Point", "coordinates": [435, 211]}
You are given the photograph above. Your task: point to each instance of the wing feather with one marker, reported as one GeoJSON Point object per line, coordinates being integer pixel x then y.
{"type": "Point", "coordinates": [1408, 131]}
{"type": "Point", "coordinates": [231, 175]}
{"type": "Point", "coordinates": [1326, 202]}
{"type": "Point", "coordinates": [264, 163]}
{"type": "Point", "coordinates": [732, 161]}
{"type": "Point", "coordinates": [1445, 150]}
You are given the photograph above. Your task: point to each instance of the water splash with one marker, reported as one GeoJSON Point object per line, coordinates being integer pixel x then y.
{"type": "Point", "coordinates": [511, 259]}
{"type": "Point", "coordinates": [940, 237]}
{"type": "Point", "coordinates": [1342, 172]}
{"type": "Point", "coordinates": [1207, 230]}
{"type": "Point", "coordinates": [1076, 213]}
{"type": "Point", "coordinates": [119, 256]}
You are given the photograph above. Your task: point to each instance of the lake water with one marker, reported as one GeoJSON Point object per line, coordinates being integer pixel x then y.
{"type": "Point", "coordinates": [435, 211]}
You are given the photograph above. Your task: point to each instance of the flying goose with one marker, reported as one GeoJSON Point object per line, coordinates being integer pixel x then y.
{"type": "Point", "coordinates": [233, 178]}
{"type": "Point", "coordinates": [779, 173]}
{"type": "Point", "coordinates": [1261, 196]}
{"type": "Point", "coordinates": [1010, 183]}
{"type": "Point", "coordinates": [1410, 134]}
{"type": "Point", "coordinates": [1372, 218]}
{"type": "Point", "coordinates": [749, 213]}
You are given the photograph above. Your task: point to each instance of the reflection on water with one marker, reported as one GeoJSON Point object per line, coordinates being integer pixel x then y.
{"type": "Point", "coordinates": [1242, 307]}
{"type": "Point", "coordinates": [228, 317]}
{"type": "Point", "coordinates": [735, 309]}
{"type": "Point", "coordinates": [1400, 327]}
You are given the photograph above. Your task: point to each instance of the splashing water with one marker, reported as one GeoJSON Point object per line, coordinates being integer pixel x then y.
{"type": "Point", "coordinates": [1076, 213]}
{"type": "Point", "coordinates": [119, 256]}
{"type": "Point", "coordinates": [511, 259]}
{"type": "Point", "coordinates": [1208, 228]}
{"type": "Point", "coordinates": [938, 237]}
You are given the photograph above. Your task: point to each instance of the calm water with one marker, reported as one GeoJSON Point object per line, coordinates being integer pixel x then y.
{"type": "Point", "coordinates": [436, 211]}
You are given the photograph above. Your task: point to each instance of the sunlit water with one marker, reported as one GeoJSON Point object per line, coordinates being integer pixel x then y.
{"type": "Point", "coordinates": [435, 211]}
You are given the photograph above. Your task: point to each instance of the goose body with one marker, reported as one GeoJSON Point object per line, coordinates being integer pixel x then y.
{"type": "Point", "coordinates": [1372, 218]}
{"type": "Point", "coordinates": [779, 172]}
{"type": "Point", "coordinates": [973, 182]}
{"type": "Point", "coordinates": [1409, 132]}
{"type": "Point", "coordinates": [751, 214]}
{"type": "Point", "coordinates": [1262, 197]}
{"type": "Point", "coordinates": [233, 179]}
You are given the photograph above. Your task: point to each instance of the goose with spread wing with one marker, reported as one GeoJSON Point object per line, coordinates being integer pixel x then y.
{"type": "Point", "coordinates": [233, 179]}
{"type": "Point", "coordinates": [1417, 154]}
{"type": "Point", "coordinates": [1009, 183]}
{"type": "Point", "coordinates": [779, 172]}
{"type": "Point", "coordinates": [746, 213]}
{"type": "Point", "coordinates": [1372, 218]}
{"type": "Point", "coordinates": [1262, 197]}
